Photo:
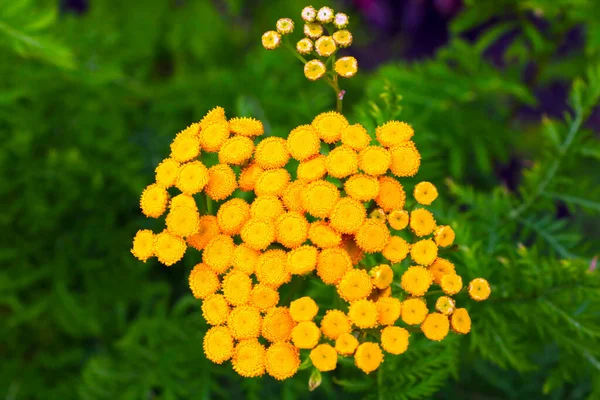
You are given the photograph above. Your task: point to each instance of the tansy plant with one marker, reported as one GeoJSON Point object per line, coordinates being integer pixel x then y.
{"type": "Point", "coordinates": [334, 214]}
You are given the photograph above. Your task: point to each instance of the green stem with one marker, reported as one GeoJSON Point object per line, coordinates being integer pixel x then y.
{"type": "Point", "coordinates": [380, 382]}
{"type": "Point", "coordinates": [209, 209]}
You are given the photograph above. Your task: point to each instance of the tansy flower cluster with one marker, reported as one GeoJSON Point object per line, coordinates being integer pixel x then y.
{"type": "Point", "coordinates": [325, 203]}
{"type": "Point", "coordinates": [325, 33]}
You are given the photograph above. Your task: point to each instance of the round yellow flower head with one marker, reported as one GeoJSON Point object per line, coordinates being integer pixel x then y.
{"type": "Point", "coordinates": [208, 227]}
{"type": "Point", "coordinates": [218, 253]}
{"type": "Point", "coordinates": [341, 20]}
{"type": "Point", "coordinates": [422, 222]}
{"type": "Point", "coordinates": [325, 46]}
{"type": "Point", "coordinates": [221, 183]}
{"type": "Point", "coordinates": [169, 248]}
{"type": "Point", "coordinates": [451, 284]}
{"type": "Point", "coordinates": [414, 311]}
{"type": "Point", "coordinates": [368, 357]}
{"type": "Point", "coordinates": [396, 249]}
{"type": "Point", "coordinates": [244, 322]}
{"type": "Point", "coordinates": [215, 309]}
{"type": "Point", "coordinates": [271, 269]}
{"type": "Point", "coordinates": [405, 159]}
{"type": "Point", "coordinates": [398, 219]}
{"type": "Point", "coordinates": [154, 201]}
{"type": "Point", "coordinates": [346, 344]}
{"type": "Point", "coordinates": [445, 305]}
{"type": "Point", "coordinates": [425, 193]}
{"type": "Point", "coordinates": [479, 289]}
{"type": "Point", "coordinates": [443, 236]}
{"type": "Point", "coordinates": [364, 314]}
{"type": "Point", "coordinates": [258, 233]}
{"type": "Point", "coordinates": [203, 281]}
{"type": "Point", "coordinates": [342, 38]}
{"type": "Point", "coordinates": [330, 125]}
{"type": "Point", "coordinates": [277, 325]}
{"type": "Point", "coordinates": [312, 169]}
{"type": "Point", "coordinates": [305, 46]}
{"type": "Point", "coordinates": [264, 297]}
{"type": "Point", "coordinates": [303, 309]}
{"type": "Point", "coordinates": [394, 133]}
{"type": "Point", "coordinates": [424, 252]}
{"type": "Point", "coordinates": [389, 310]}
{"type": "Point", "coordinates": [237, 287]}
{"type": "Point", "coordinates": [291, 229]}
{"type": "Point", "coordinates": [271, 40]}
{"type": "Point", "coordinates": [309, 14]}
{"type": "Point", "coordinates": [391, 194]}
{"type": "Point", "coordinates": [374, 160]}
{"type": "Point", "coordinates": [346, 67]}
{"type": "Point", "coordinates": [356, 137]}
{"type": "Point", "coordinates": [266, 207]}
{"type": "Point", "coordinates": [460, 320]}
{"type": "Point", "coordinates": [439, 268]}
{"type": "Point", "coordinates": [236, 150]}
{"type": "Point", "coordinates": [217, 114]}
{"type": "Point", "coordinates": [183, 200]}
{"type": "Point", "coordinates": [303, 142]}
{"type": "Point", "coordinates": [355, 285]}
{"type": "Point", "coordinates": [394, 339]}
{"type": "Point", "coordinates": [362, 187]}
{"type": "Point", "coordinates": [293, 195]}
{"type": "Point", "coordinates": [416, 280]}
{"type": "Point", "coordinates": [436, 326]}
{"type": "Point", "coordinates": [324, 357]}
{"type": "Point", "coordinates": [302, 260]}
{"type": "Point", "coordinates": [232, 215]}
{"type": "Point", "coordinates": [335, 323]}
{"type": "Point", "coordinates": [246, 126]}
{"type": "Point", "coordinates": [166, 172]}
{"type": "Point", "coordinates": [325, 15]}
{"type": "Point", "coordinates": [249, 358]}
{"type": "Point", "coordinates": [342, 162]}
{"type": "Point", "coordinates": [285, 26]}
{"type": "Point", "coordinates": [185, 147]}
{"type": "Point", "coordinates": [372, 236]}
{"type": "Point", "coordinates": [282, 360]}
{"type": "Point", "coordinates": [192, 178]}
{"type": "Point", "coordinates": [347, 215]}
{"type": "Point", "coordinates": [273, 181]}
{"type": "Point", "coordinates": [320, 197]}
{"type": "Point", "coordinates": [143, 244]}
{"type": "Point", "coordinates": [272, 153]}
{"type": "Point", "coordinates": [214, 136]}
{"type": "Point", "coordinates": [218, 344]}
{"type": "Point", "coordinates": [382, 276]}
{"type": "Point", "coordinates": [249, 177]}
{"type": "Point", "coordinates": [306, 335]}
{"type": "Point", "coordinates": [313, 30]}
{"type": "Point", "coordinates": [332, 264]}
{"type": "Point", "coordinates": [378, 215]}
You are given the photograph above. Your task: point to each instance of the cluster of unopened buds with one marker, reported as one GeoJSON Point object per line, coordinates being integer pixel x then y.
{"type": "Point", "coordinates": [325, 32]}
{"type": "Point", "coordinates": [322, 205]}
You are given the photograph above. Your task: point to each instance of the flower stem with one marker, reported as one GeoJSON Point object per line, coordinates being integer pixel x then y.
{"type": "Point", "coordinates": [209, 208]}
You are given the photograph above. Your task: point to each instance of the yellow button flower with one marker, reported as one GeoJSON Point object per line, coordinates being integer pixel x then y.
{"type": "Point", "coordinates": [215, 309]}
{"type": "Point", "coordinates": [479, 289]}
{"type": "Point", "coordinates": [249, 358]}
{"type": "Point", "coordinates": [217, 114]}
{"type": "Point", "coordinates": [332, 264]}
{"type": "Point", "coordinates": [305, 46]}
{"type": "Point", "coordinates": [249, 176]}
{"type": "Point", "coordinates": [291, 229]}
{"type": "Point", "coordinates": [424, 252]}
{"type": "Point", "coordinates": [271, 268]}
{"type": "Point", "coordinates": [285, 26]}
{"type": "Point", "coordinates": [439, 268]}
{"type": "Point", "coordinates": [264, 297]}
{"type": "Point", "coordinates": [203, 281]}
{"type": "Point", "coordinates": [236, 150]}
{"type": "Point", "coordinates": [218, 253]}
{"type": "Point", "coordinates": [267, 207]}
{"type": "Point", "coordinates": [394, 133]}
{"type": "Point", "coordinates": [192, 178]}
{"type": "Point", "coordinates": [208, 227]}
{"type": "Point", "coordinates": [258, 233]}
{"type": "Point", "coordinates": [325, 46]}
{"type": "Point", "coordinates": [396, 249]}
{"type": "Point", "coordinates": [445, 305]}
{"type": "Point", "coordinates": [382, 276]}
{"type": "Point", "coordinates": [154, 201]}
{"type": "Point", "coordinates": [391, 194]}
{"type": "Point", "coordinates": [272, 153]}
{"type": "Point", "coordinates": [414, 311]}
{"type": "Point", "coordinates": [341, 20]}
{"type": "Point", "coordinates": [306, 335]}
{"type": "Point", "coordinates": [183, 200]}
{"type": "Point", "coordinates": [185, 147]}
{"type": "Point", "coordinates": [166, 172]}
{"type": "Point", "coordinates": [303, 309]}
{"type": "Point", "coordinates": [312, 169]}
{"type": "Point", "coordinates": [398, 219]}
{"type": "Point", "coordinates": [374, 160]}
{"type": "Point", "coordinates": [232, 215]}
{"type": "Point", "coordinates": [346, 344]}
{"type": "Point", "coordinates": [451, 284]}
{"type": "Point", "coordinates": [277, 325]}
{"type": "Point", "coordinates": [347, 215]}
{"type": "Point", "coordinates": [293, 195]}
{"type": "Point", "coordinates": [218, 344]}
{"type": "Point", "coordinates": [237, 287]}
{"type": "Point", "coordinates": [322, 235]}
{"type": "Point", "coordinates": [271, 40]}
{"type": "Point", "coordinates": [355, 285]}
{"type": "Point", "coordinates": [444, 236]}
{"type": "Point", "coordinates": [356, 137]}
{"type": "Point", "coordinates": [460, 320]}
{"type": "Point", "coordinates": [314, 70]}
{"type": "Point", "coordinates": [342, 162]}
{"type": "Point", "coordinates": [272, 181]}
{"type": "Point", "coordinates": [309, 14]}
{"type": "Point", "coordinates": [246, 126]}
{"type": "Point", "coordinates": [416, 280]}
{"type": "Point", "coordinates": [372, 236]}
{"type": "Point", "coordinates": [436, 326]}
{"type": "Point", "coordinates": [343, 38]}
{"type": "Point", "coordinates": [313, 30]}
{"type": "Point", "coordinates": [389, 310]}
{"type": "Point", "coordinates": [282, 360]}
{"type": "Point", "coordinates": [368, 357]}
{"type": "Point", "coordinates": [364, 314]}
{"type": "Point", "coordinates": [362, 187]}
{"type": "Point", "coordinates": [244, 322]}
{"type": "Point", "coordinates": [335, 323]}
{"type": "Point", "coordinates": [213, 136]}
{"type": "Point", "coordinates": [330, 125]}
{"type": "Point", "coordinates": [143, 244]}
{"type": "Point", "coordinates": [394, 339]}
{"type": "Point", "coordinates": [302, 260]}
{"type": "Point", "coordinates": [405, 159]}
{"type": "Point", "coordinates": [425, 193]}
{"type": "Point", "coordinates": [221, 182]}
{"type": "Point", "coordinates": [303, 142]}
{"type": "Point", "coordinates": [169, 248]}
{"type": "Point", "coordinates": [320, 197]}
{"type": "Point", "coordinates": [324, 357]}
{"type": "Point", "coordinates": [325, 15]}
{"type": "Point", "coordinates": [346, 67]}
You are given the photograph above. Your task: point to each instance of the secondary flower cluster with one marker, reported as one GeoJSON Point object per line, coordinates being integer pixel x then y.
{"type": "Point", "coordinates": [325, 215]}
{"type": "Point", "coordinates": [317, 28]}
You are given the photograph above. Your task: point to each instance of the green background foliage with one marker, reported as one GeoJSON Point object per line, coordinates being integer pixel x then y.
{"type": "Point", "coordinates": [89, 104]}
